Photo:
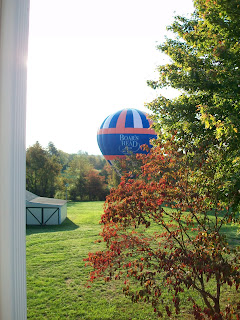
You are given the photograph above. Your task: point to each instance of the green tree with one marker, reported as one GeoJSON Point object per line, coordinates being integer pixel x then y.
{"type": "Point", "coordinates": [78, 190]}
{"type": "Point", "coordinates": [205, 66]}
{"type": "Point", "coordinates": [78, 165]}
{"type": "Point", "coordinates": [98, 162]}
{"type": "Point", "coordinates": [52, 150]}
{"type": "Point", "coordinates": [64, 159]}
{"type": "Point", "coordinates": [76, 173]}
{"type": "Point", "coordinates": [112, 176]}
{"type": "Point", "coordinates": [41, 171]}
{"type": "Point", "coordinates": [86, 179]}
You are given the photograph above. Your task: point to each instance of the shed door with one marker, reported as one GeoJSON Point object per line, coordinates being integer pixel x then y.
{"type": "Point", "coordinates": [42, 215]}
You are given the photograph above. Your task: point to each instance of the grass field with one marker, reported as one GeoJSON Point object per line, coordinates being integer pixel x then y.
{"type": "Point", "coordinates": [56, 273]}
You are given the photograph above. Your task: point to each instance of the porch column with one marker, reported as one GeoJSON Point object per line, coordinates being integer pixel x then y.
{"type": "Point", "coordinates": [14, 18]}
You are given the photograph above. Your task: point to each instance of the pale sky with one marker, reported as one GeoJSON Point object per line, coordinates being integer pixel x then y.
{"type": "Point", "coordinates": [89, 59]}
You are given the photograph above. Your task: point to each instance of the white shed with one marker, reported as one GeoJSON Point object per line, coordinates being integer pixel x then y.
{"type": "Point", "coordinates": [44, 211]}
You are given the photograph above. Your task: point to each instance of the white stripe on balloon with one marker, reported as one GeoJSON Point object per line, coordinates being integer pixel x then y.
{"type": "Point", "coordinates": [107, 122]}
{"type": "Point", "coordinates": [137, 121]}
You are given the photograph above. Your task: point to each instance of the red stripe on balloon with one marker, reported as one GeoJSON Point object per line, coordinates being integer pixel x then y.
{"type": "Point", "coordinates": [114, 157]}
{"type": "Point", "coordinates": [121, 119]}
{"type": "Point", "coordinates": [126, 131]}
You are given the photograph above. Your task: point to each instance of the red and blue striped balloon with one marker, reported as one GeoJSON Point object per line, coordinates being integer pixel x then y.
{"type": "Point", "coordinates": [123, 133]}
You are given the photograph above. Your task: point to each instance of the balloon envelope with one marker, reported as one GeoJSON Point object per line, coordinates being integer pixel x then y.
{"type": "Point", "coordinates": [123, 133]}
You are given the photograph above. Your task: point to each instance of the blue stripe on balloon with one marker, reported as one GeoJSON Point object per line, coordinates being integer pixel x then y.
{"type": "Point", "coordinates": [103, 123]}
{"type": "Point", "coordinates": [114, 120]}
{"type": "Point", "coordinates": [145, 121]}
{"type": "Point", "coordinates": [129, 119]}
{"type": "Point", "coordinates": [100, 143]}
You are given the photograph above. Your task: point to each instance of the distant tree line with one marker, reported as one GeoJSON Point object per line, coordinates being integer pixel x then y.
{"type": "Point", "coordinates": [50, 172]}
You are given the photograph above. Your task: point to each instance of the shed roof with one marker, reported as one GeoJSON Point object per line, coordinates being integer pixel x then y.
{"type": "Point", "coordinates": [50, 201]}
{"type": "Point", "coordinates": [30, 196]}
{"type": "Point", "coordinates": [33, 198]}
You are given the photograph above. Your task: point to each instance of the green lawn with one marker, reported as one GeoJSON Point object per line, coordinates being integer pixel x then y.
{"type": "Point", "coordinates": [56, 273]}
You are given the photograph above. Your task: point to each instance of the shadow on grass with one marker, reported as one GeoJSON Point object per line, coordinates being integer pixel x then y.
{"type": "Point", "coordinates": [232, 235]}
{"type": "Point", "coordinates": [231, 231]}
{"type": "Point", "coordinates": [67, 225]}
{"type": "Point", "coordinates": [228, 229]}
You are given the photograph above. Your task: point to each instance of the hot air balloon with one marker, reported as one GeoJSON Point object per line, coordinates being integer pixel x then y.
{"type": "Point", "coordinates": [123, 133]}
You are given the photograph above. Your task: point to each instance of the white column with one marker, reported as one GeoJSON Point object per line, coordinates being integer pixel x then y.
{"type": "Point", "coordinates": [14, 17]}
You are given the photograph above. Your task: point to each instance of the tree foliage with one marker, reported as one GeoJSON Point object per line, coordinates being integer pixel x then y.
{"type": "Point", "coordinates": [96, 186]}
{"type": "Point", "coordinates": [162, 229]}
{"type": "Point", "coordinates": [54, 173]}
{"type": "Point", "coordinates": [86, 182]}
{"type": "Point", "coordinates": [205, 66]}
{"type": "Point", "coordinates": [163, 226]}
{"type": "Point", "coordinates": [41, 171]}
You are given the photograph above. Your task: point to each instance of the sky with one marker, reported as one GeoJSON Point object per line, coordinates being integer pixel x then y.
{"type": "Point", "coordinates": [88, 59]}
